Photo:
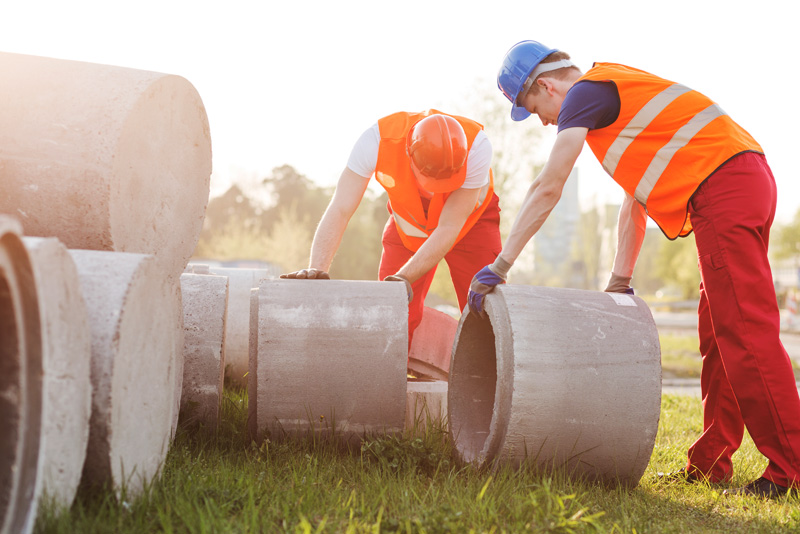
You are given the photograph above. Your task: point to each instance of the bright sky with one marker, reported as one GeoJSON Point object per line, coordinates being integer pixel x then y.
{"type": "Point", "coordinates": [297, 82]}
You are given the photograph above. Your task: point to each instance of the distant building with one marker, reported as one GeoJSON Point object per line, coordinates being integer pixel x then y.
{"type": "Point", "coordinates": [555, 242]}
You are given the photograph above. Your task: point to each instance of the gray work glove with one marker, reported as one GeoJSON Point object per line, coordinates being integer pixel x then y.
{"type": "Point", "coordinates": [308, 274]}
{"type": "Point", "coordinates": [401, 278]}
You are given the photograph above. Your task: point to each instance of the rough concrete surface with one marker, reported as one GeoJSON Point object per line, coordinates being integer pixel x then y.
{"type": "Point", "coordinates": [66, 356]}
{"type": "Point", "coordinates": [426, 405]}
{"type": "Point", "coordinates": [252, 375]}
{"type": "Point", "coordinates": [432, 344]}
{"type": "Point", "coordinates": [103, 157]}
{"type": "Point", "coordinates": [20, 382]}
{"type": "Point", "coordinates": [205, 299]}
{"type": "Point", "coordinates": [558, 377]}
{"type": "Point", "coordinates": [237, 320]}
{"type": "Point", "coordinates": [331, 357]}
{"type": "Point", "coordinates": [136, 323]}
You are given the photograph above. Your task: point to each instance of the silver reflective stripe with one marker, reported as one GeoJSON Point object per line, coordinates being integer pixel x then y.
{"type": "Point", "coordinates": [639, 122]}
{"type": "Point", "coordinates": [407, 228]}
{"type": "Point", "coordinates": [666, 153]}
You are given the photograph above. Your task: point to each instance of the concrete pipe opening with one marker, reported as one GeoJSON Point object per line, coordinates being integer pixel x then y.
{"type": "Point", "coordinates": [472, 386]}
{"type": "Point", "coordinates": [558, 378]}
{"type": "Point", "coordinates": [20, 383]}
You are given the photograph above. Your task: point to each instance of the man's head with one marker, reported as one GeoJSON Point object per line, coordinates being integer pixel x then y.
{"type": "Point", "coordinates": [437, 149]}
{"type": "Point", "coordinates": [534, 78]}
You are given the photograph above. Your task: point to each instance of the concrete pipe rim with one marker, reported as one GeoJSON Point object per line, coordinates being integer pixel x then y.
{"type": "Point", "coordinates": [20, 378]}
{"type": "Point", "coordinates": [478, 424]}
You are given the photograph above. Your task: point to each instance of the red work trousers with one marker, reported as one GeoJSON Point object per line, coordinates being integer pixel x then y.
{"type": "Point", "coordinates": [474, 251]}
{"type": "Point", "coordinates": [747, 378]}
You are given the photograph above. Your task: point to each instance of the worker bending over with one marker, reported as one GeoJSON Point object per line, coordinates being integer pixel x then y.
{"type": "Point", "coordinates": [436, 170]}
{"type": "Point", "coordinates": [684, 162]}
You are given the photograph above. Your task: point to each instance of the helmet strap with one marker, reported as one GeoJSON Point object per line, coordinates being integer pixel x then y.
{"type": "Point", "coordinates": [541, 68]}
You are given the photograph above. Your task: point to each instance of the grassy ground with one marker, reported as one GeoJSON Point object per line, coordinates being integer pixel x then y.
{"type": "Point", "coordinates": [223, 483]}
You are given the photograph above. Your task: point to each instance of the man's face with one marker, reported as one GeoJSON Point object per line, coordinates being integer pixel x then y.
{"type": "Point", "coordinates": [546, 102]}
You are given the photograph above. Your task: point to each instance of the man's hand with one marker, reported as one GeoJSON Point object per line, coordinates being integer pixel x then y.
{"type": "Point", "coordinates": [401, 278]}
{"type": "Point", "coordinates": [482, 284]}
{"type": "Point", "coordinates": [308, 274]}
{"type": "Point", "coordinates": [619, 284]}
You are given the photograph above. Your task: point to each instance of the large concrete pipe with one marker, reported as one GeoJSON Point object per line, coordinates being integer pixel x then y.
{"type": "Point", "coordinates": [331, 357]}
{"type": "Point", "coordinates": [557, 377]}
{"type": "Point", "coordinates": [104, 158]}
{"type": "Point", "coordinates": [20, 382]}
{"type": "Point", "coordinates": [429, 354]}
{"type": "Point", "coordinates": [204, 301]}
{"type": "Point", "coordinates": [66, 351]}
{"type": "Point", "coordinates": [136, 323]}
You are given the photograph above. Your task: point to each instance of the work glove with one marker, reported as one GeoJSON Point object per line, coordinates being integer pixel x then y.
{"type": "Point", "coordinates": [484, 283]}
{"type": "Point", "coordinates": [401, 278]}
{"type": "Point", "coordinates": [619, 284]}
{"type": "Point", "coordinates": [308, 274]}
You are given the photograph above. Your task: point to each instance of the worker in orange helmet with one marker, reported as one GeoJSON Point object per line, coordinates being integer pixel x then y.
{"type": "Point", "coordinates": [436, 169]}
{"type": "Point", "coordinates": [685, 163]}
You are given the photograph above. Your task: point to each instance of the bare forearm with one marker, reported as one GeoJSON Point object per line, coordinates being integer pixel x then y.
{"type": "Point", "coordinates": [545, 191]}
{"type": "Point", "coordinates": [535, 209]}
{"type": "Point", "coordinates": [630, 235]}
{"type": "Point", "coordinates": [327, 239]}
{"type": "Point", "coordinates": [430, 253]}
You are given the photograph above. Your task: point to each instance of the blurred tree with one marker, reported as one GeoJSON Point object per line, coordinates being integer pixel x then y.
{"type": "Point", "coordinates": [785, 240]}
{"type": "Point", "coordinates": [677, 266]}
{"type": "Point", "coordinates": [359, 253]}
{"type": "Point", "coordinates": [285, 187]}
{"type": "Point", "coordinates": [289, 239]}
{"type": "Point", "coordinates": [647, 278]}
{"type": "Point", "coordinates": [238, 238]}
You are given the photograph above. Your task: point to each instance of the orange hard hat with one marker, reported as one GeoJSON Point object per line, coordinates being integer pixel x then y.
{"type": "Point", "coordinates": [437, 148]}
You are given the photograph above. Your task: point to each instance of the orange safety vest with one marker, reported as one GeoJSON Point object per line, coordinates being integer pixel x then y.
{"type": "Point", "coordinates": [393, 172]}
{"type": "Point", "coordinates": [666, 141]}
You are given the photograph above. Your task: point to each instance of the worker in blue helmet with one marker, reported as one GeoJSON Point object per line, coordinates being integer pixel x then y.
{"type": "Point", "coordinates": [685, 164]}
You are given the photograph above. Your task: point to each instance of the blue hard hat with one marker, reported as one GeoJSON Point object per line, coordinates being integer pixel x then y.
{"type": "Point", "coordinates": [518, 64]}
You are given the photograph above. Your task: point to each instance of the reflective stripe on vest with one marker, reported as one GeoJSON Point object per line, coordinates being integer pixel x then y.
{"type": "Point", "coordinates": [411, 229]}
{"type": "Point", "coordinates": [678, 141]}
{"type": "Point", "coordinates": [666, 140]}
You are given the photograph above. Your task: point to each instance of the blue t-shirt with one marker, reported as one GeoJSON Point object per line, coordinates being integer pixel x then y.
{"type": "Point", "coordinates": [589, 104]}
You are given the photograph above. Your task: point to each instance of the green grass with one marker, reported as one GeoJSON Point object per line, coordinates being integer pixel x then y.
{"type": "Point", "coordinates": [220, 482]}
{"type": "Point", "coordinates": [680, 355]}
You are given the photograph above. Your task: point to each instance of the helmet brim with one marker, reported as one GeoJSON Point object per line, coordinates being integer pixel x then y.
{"type": "Point", "coordinates": [519, 113]}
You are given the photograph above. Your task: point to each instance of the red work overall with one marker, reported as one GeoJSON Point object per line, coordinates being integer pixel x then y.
{"type": "Point", "coordinates": [478, 248]}
{"type": "Point", "coordinates": [747, 378]}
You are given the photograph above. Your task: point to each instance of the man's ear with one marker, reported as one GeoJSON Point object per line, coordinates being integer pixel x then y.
{"type": "Point", "coordinates": [547, 84]}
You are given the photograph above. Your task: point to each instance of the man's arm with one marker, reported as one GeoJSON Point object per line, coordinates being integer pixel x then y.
{"type": "Point", "coordinates": [540, 200]}
{"type": "Point", "coordinates": [457, 208]}
{"type": "Point", "coordinates": [631, 228]}
{"type": "Point", "coordinates": [349, 192]}
{"type": "Point", "coordinates": [545, 191]}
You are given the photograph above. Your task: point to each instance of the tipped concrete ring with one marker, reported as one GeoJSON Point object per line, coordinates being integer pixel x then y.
{"type": "Point", "coordinates": [20, 382]}
{"type": "Point", "coordinates": [66, 351]}
{"type": "Point", "coordinates": [123, 154]}
{"type": "Point", "coordinates": [331, 358]}
{"type": "Point", "coordinates": [559, 378]}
